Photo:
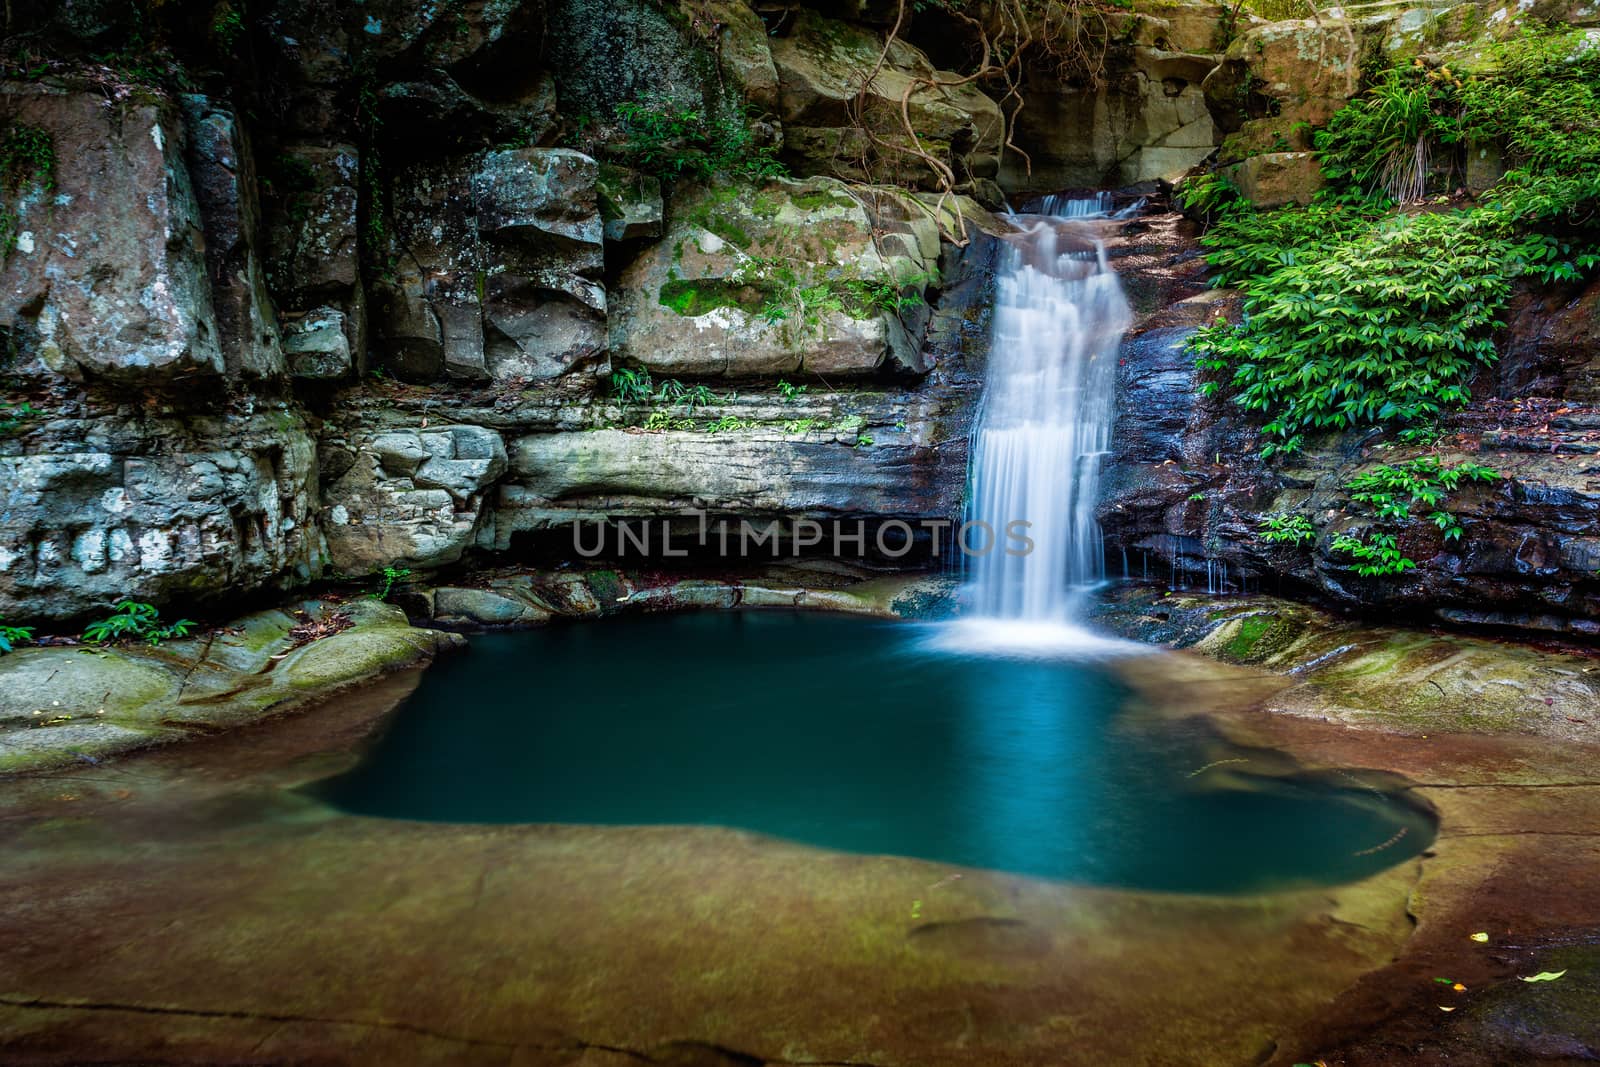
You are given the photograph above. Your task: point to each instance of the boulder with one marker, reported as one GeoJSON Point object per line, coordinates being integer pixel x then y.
{"type": "Point", "coordinates": [776, 280]}
{"type": "Point", "coordinates": [1277, 178]}
{"type": "Point", "coordinates": [317, 346]}
{"type": "Point", "coordinates": [107, 278]}
{"type": "Point", "coordinates": [411, 497]}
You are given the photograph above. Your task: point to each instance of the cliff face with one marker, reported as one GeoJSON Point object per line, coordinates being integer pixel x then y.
{"type": "Point", "coordinates": [295, 289]}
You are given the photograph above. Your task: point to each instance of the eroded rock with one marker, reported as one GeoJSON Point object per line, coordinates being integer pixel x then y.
{"type": "Point", "coordinates": [411, 497]}
{"type": "Point", "coordinates": [107, 280]}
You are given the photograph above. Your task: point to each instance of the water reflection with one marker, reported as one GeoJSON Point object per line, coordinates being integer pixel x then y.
{"type": "Point", "coordinates": [859, 736]}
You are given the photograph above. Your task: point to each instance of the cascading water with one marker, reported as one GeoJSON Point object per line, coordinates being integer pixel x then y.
{"type": "Point", "coordinates": [1045, 422]}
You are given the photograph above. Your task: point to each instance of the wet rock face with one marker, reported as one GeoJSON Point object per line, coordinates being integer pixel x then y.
{"type": "Point", "coordinates": [1185, 496]}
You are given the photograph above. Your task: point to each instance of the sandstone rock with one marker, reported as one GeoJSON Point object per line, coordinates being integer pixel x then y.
{"type": "Point", "coordinates": [557, 478]}
{"type": "Point", "coordinates": [412, 497]}
{"type": "Point", "coordinates": [224, 179]}
{"type": "Point", "coordinates": [314, 258]}
{"type": "Point", "coordinates": [312, 230]}
{"type": "Point", "coordinates": [1278, 178]}
{"type": "Point", "coordinates": [742, 49]}
{"type": "Point", "coordinates": [483, 607]}
{"type": "Point", "coordinates": [108, 276]}
{"type": "Point", "coordinates": [1295, 70]}
{"type": "Point", "coordinates": [608, 53]}
{"type": "Point", "coordinates": [630, 203]}
{"type": "Point", "coordinates": [190, 508]}
{"type": "Point", "coordinates": [307, 54]}
{"type": "Point", "coordinates": [58, 705]}
{"type": "Point", "coordinates": [820, 65]}
{"type": "Point", "coordinates": [760, 283]}
{"type": "Point", "coordinates": [317, 346]}
{"type": "Point", "coordinates": [1145, 123]}
{"type": "Point", "coordinates": [500, 280]}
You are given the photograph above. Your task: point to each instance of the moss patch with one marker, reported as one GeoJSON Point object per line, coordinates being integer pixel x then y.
{"type": "Point", "coordinates": [694, 298]}
{"type": "Point", "coordinates": [1250, 631]}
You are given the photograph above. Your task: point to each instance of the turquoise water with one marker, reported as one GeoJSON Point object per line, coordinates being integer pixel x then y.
{"type": "Point", "coordinates": [859, 735]}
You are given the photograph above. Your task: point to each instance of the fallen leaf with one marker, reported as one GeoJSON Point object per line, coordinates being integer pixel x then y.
{"type": "Point", "coordinates": [1459, 988]}
{"type": "Point", "coordinates": [1443, 1008]}
{"type": "Point", "coordinates": [1481, 936]}
{"type": "Point", "coordinates": [1544, 976]}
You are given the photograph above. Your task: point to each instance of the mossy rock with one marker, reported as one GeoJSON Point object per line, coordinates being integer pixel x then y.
{"type": "Point", "coordinates": [354, 655]}
{"type": "Point", "coordinates": [79, 682]}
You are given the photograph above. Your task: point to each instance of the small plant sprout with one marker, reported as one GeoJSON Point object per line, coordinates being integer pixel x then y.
{"type": "Point", "coordinates": [1280, 528]}
{"type": "Point", "coordinates": [388, 578]}
{"type": "Point", "coordinates": [138, 620]}
{"type": "Point", "coordinates": [12, 636]}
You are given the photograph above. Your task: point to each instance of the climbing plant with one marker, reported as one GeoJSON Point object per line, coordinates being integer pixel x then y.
{"type": "Point", "coordinates": [1005, 37]}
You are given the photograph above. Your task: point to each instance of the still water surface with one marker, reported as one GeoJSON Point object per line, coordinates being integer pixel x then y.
{"type": "Point", "coordinates": [863, 736]}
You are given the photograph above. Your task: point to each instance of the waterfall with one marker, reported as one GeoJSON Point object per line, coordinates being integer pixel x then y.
{"type": "Point", "coordinates": [1044, 425]}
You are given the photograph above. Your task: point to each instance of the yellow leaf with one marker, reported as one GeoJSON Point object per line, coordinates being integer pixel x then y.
{"type": "Point", "coordinates": [1480, 937]}
{"type": "Point", "coordinates": [1443, 1008]}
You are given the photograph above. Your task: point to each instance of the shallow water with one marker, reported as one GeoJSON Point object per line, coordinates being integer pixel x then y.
{"type": "Point", "coordinates": [863, 736]}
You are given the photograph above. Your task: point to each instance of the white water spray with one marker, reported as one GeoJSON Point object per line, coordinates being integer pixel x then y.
{"type": "Point", "coordinates": [1045, 423]}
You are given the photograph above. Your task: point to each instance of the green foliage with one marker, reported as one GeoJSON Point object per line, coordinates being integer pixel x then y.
{"type": "Point", "coordinates": [1357, 317]}
{"type": "Point", "coordinates": [387, 580]}
{"type": "Point", "coordinates": [801, 298]}
{"type": "Point", "coordinates": [665, 420]}
{"type": "Point", "coordinates": [799, 426]}
{"type": "Point", "coordinates": [790, 391]}
{"type": "Point", "coordinates": [1376, 555]}
{"type": "Point", "coordinates": [1383, 325]}
{"type": "Point", "coordinates": [1391, 490]}
{"type": "Point", "coordinates": [226, 27]}
{"type": "Point", "coordinates": [14, 416]}
{"type": "Point", "coordinates": [676, 142]}
{"type": "Point", "coordinates": [1279, 528]}
{"type": "Point", "coordinates": [1384, 139]}
{"type": "Point", "coordinates": [12, 636]}
{"type": "Point", "coordinates": [687, 397]}
{"type": "Point", "coordinates": [27, 164]}
{"type": "Point", "coordinates": [133, 619]}
{"type": "Point", "coordinates": [1540, 104]}
{"type": "Point", "coordinates": [632, 386]}
{"type": "Point", "coordinates": [863, 440]}
{"type": "Point", "coordinates": [1207, 194]}
{"type": "Point", "coordinates": [727, 424]}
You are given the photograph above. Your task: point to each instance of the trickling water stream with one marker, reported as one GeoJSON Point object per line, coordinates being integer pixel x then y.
{"type": "Point", "coordinates": [1045, 423]}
